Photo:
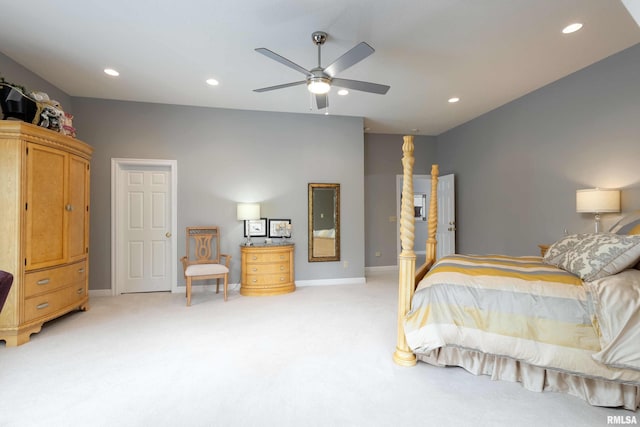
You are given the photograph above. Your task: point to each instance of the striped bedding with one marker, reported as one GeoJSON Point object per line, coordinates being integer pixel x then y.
{"type": "Point", "coordinates": [515, 307]}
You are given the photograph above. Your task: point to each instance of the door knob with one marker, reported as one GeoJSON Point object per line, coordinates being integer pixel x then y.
{"type": "Point", "coordinates": [168, 234]}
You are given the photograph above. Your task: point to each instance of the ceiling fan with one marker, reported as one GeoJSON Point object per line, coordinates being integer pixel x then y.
{"type": "Point", "coordinates": [319, 80]}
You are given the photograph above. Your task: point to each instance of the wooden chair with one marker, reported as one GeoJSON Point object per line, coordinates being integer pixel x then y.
{"type": "Point", "coordinates": [203, 259]}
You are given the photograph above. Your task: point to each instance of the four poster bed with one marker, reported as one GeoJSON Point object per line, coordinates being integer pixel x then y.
{"type": "Point", "coordinates": [566, 322]}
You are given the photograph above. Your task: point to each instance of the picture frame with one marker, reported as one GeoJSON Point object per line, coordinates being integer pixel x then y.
{"type": "Point", "coordinates": [278, 228]}
{"type": "Point", "coordinates": [257, 227]}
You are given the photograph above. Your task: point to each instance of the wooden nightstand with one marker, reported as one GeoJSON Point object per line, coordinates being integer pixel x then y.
{"type": "Point", "coordinates": [543, 249]}
{"type": "Point", "coordinates": [267, 270]}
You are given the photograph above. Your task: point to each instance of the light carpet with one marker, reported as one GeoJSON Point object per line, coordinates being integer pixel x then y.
{"type": "Point", "coordinates": [320, 356]}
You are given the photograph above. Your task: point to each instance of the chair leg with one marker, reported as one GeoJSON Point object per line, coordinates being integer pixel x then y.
{"type": "Point", "coordinates": [225, 287]}
{"type": "Point", "coordinates": [217, 286]}
{"type": "Point", "coordinates": [188, 291]}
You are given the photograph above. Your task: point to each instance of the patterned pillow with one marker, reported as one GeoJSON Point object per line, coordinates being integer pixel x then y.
{"type": "Point", "coordinates": [593, 256]}
{"type": "Point", "coordinates": [628, 225]}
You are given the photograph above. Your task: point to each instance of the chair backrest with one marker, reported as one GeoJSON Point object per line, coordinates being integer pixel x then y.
{"type": "Point", "coordinates": [6, 279]}
{"type": "Point", "coordinates": [203, 245]}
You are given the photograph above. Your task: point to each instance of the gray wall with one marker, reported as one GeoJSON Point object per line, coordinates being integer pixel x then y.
{"type": "Point", "coordinates": [382, 160]}
{"type": "Point", "coordinates": [17, 74]}
{"type": "Point", "coordinates": [518, 167]}
{"type": "Point", "coordinates": [225, 157]}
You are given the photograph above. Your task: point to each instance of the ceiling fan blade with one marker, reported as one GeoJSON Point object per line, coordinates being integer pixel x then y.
{"type": "Point", "coordinates": [282, 60]}
{"type": "Point", "coordinates": [351, 57]}
{"type": "Point", "coordinates": [322, 101]}
{"type": "Point", "coordinates": [361, 86]}
{"type": "Point", "coordinates": [266, 89]}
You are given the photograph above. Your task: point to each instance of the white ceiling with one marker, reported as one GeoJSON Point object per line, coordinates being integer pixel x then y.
{"type": "Point", "coordinates": [487, 52]}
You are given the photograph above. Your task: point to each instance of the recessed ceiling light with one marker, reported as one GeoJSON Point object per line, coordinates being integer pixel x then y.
{"type": "Point", "coordinates": [572, 28]}
{"type": "Point", "coordinates": [343, 92]}
{"type": "Point", "coordinates": [213, 82]}
{"type": "Point", "coordinates": [454, 100]}
{"type": "Point", "coordinates": [111, 72]}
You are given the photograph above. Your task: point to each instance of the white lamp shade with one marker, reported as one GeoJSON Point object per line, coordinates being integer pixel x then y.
{"type": "Point", "coordinates": [597, 200]}
{"type": "Point", "coordinates": [247, 211]}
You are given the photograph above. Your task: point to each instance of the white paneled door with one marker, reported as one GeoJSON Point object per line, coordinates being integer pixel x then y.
{"type": "Point", "coordinates": [143, 232]}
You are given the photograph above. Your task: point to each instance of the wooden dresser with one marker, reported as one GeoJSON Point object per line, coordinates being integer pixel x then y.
{"type": "Point", "coordinates": [44, 224]}
{"type": "Point", "coordinates": [267, 270]}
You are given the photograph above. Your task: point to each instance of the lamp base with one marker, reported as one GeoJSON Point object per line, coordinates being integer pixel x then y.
{"type": "Point", "coordinates": [597, 221]}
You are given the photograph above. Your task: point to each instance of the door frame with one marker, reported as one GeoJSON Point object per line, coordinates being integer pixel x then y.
{"type": "Point", "coordinates": [117, 165]}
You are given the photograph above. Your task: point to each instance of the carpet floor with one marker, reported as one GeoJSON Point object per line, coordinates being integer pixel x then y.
{"type": "Point", "coordinates": [320, 356]}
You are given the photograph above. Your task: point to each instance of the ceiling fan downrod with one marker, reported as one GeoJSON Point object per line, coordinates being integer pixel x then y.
{"type": "Point", "coordinates": [319, 37]}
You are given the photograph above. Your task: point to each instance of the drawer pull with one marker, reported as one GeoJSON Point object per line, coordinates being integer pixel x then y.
{"type": "Point", "coordinates": [281, 267]}
{"type": "Point", "coordinates": [43, 281]}
{"type": "Point", "coordinates": [281, 256]}
{"type": "Point", "coordinates": [254, 257]}
{"type": "Point", "coordinates": [282, 279]}
{"type": "Point", "coordinates": [254, 269]}
{"type": "Point", "coordinates": [43, 305]}
{"type": "Point", "coordinates": [80, 291]}
{"type": "Point", "coordinates": [81, 270]}
{"type": "Point", "coordinates": [254, 280]}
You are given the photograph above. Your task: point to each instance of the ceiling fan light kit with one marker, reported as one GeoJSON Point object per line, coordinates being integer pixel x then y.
{"type": "Point", "coordinates": [319, 80]}
{"type": "Point", "coordinates": [319, 85]}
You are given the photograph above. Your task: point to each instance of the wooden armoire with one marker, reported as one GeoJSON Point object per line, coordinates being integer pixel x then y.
{"type": "Point", "coordinates": [44, 226]}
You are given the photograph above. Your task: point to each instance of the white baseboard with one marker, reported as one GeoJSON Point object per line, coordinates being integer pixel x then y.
{"type": "Point", "coordinates": [380, 269]}
{"type": "Point", "coordinates": [100, 293]}
{"type": "Point", "coordinates": [331, 282]}
{"type": "Point", "coordinates": [236, 286]}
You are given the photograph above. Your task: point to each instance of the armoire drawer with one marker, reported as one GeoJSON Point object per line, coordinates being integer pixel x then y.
{"type": "Point", "coordinates": [50, 279]}
{"type": "Point", "coordinates": [43, 305]}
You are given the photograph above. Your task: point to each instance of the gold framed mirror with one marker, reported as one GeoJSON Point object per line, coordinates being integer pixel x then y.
{"type": "Point", "coordinates": [324, 222]}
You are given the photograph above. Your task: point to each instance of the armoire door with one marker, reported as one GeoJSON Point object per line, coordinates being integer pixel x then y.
{"type": "Point", "coordinates": [77, 208]}
{"type": "Point", "coordinates": [45, 208]}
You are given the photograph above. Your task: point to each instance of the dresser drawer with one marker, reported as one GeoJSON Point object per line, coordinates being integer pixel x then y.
{"type": "Point", "coordinates": [280, 267]}
{"type": "Point", "coordinates": [44, 305]}
{"type": "Point", "coordinates": [267, 279]}
{"type": "Point", "coordinates": [48, 280]}
{"type": "Point", "coordinates": [267, 257]}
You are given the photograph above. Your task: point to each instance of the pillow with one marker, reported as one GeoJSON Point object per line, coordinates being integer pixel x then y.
{"type": "Point", "coordinates": [628, 225]}
{"type": "Point", "coordinates": [558, 250]}
{"type": "Point", "coordinates": [615, 305]}
{"type": "Point", "coordinates": [593, 256]}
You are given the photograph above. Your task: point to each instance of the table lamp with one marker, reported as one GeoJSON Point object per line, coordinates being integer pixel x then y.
{"type": "Point", "coordinates": [247, 212]}
{"type": "Point", "coordinates": [597, 201]}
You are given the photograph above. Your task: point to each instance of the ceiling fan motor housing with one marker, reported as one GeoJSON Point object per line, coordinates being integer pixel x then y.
{"type": "Point", "coordinates": [319, 37]}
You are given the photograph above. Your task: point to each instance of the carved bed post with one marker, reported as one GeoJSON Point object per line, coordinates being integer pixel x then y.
{"type": "Point", "coordinates": [433, 215]}
{"type": "Point", "coordinates": [407, 259]}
